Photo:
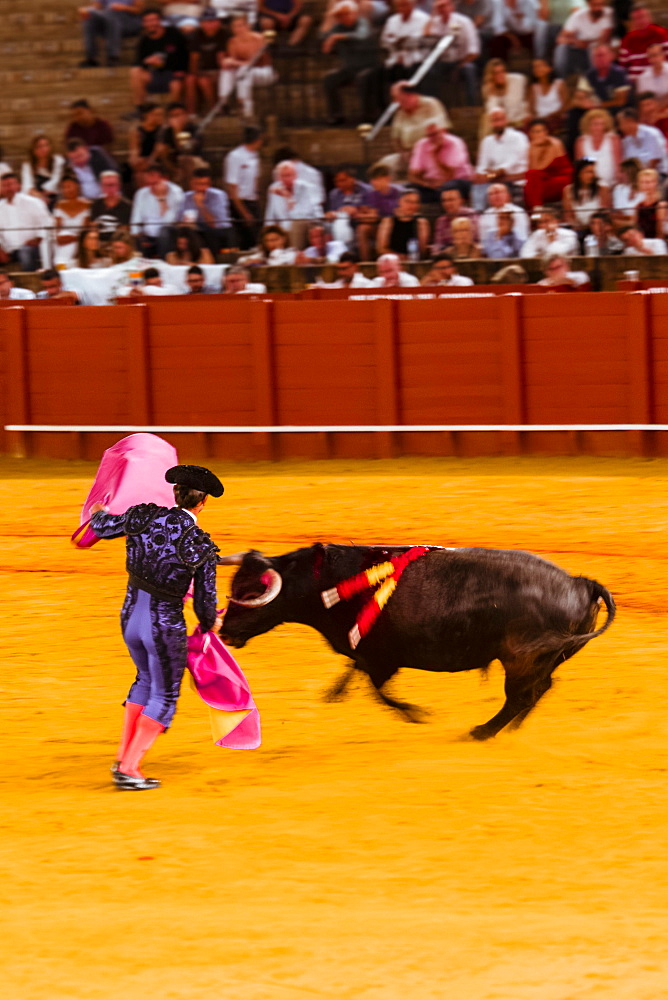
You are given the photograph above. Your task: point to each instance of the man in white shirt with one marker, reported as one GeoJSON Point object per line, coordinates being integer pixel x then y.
{"type": "Point", "coordinates": [8, 289]}
{"type": "Point", "coordinates": [654, 80]}
{"type": "Point", "coordinates": [444, 272]}
{"type": "Point", "coordinates": [291, 204]}
{"type": "Point", "coordinates": [154, 209]}
{"type": "Point", "coordinates": [461, 54]}
{"type": "Point", "coordinates": [514, 24]}
{"type": "Point", "coordinates": [24, 222]}
{"type": "Point", "coordinates": [550, 238]}
{"type": "Point", "coordinates": [502, 156]}
{"type": "Point", "coordinates": [635, 245]}
{"type": "Point", "coordinates": [348, 275]}
{"type": "Point", "coordinates": [403, 40]}
{"type": "Point", "coordinates": [241, 174]}
{"type": "Point", "coordinates": [390, 274]}
{"type": "Point", "coordinates": [236, 281]}
{"type": "Point", "coordinates": [558, 274]}
{"type": "Point", "coordinates": [305, 172]}
{"type": "Point", "coordinates": [642, 142]}
{"type": "Point", "coordinates": [592, 25]}
{"type": "Point", "coordinates": [498, 198]}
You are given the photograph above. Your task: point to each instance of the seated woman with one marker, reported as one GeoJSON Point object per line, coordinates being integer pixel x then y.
{"type": "Point", "coordinates": [41, 173]}
{"type": "Point", "coordinates": [463, 241]}
{"type": "Point", "coordinates": [584, 196]}
{"type": "Point", "coordinates": [89, 252]}
{"type": "Point", "coordinates": [651, 211]}
{"type": "Point", "coordinates": [548, 97]}
{"type": "Point", "coordinates": [190, 248]}
{"type": "Point", "coordinates": [71, 214]}
{"type": "Point", "coordinates": [626, 195]}
{"type": "Point", "coordinates": [504, 242]}
{"type": "Point", "coordinates": [599, 142]}
{"type": "Point", "coordinates": [243, 47]}
{"type": "Point", "coordinates": [508, 91]}
{"type": "Point", "coordinates": [558, 274]}
{"type": "Point", "coordinates": [550, 170]}
{"type": "Point", "coordinates": [273, 249]}
{"type": "Point", "coordinates": [406, 232]}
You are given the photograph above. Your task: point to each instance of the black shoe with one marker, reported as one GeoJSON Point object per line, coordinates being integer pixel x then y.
{"type": "Point", "coordinates": [88, 63]}
{"type": "Point", "coordinates": [127, 783]}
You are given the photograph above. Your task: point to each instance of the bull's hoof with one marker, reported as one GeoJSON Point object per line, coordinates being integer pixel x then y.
{"type": "Point", "coordinates": [481, 733]}
{"type": "Point", "coordinates": [410, 713]}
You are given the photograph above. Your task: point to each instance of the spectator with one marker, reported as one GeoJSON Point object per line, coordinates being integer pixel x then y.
{"type": "Point", "coordinates": [550, 238]}
{"type": "Point", "coordinates": [599, 142]}
{"type": "Point", "coordinates": [379, 203]}
{"type": "Point", "coordinates": [498, 197]}
{"type": "Point", "coordinates": [24, 222]}
{"type": "Point", "coordinates": [88, 163]}
{"type": "Point", "coordinates": [149, 284]}
{"type": "Point", "coordinates": [189, 248]}
{"type": "Point", "coordinates": [319, 249]}
{"type": "Point", "coordinates": [207, 45]}
{"type": "Point", "coordinates": [208, 209]}
{"type": "Point", "coordinates": [196, 282]}
{"type": "Point", "coordinates": [504, 242]}
{"type": "Point", "coordinates": [344, 202]}
{"type": "Point", "coordinates": [86, 125]}
{"type": "Point", "coordinates": [348, 275]}
{"type": "Point", "coordinates": [508, 91]}
{"type": "Point", "coordinates": [626, 195]}
{"type": "Point", "coordinates": [90, 251]}
{"type": "Point", "coordinates": [463, 246]}
{"type": "Point", "coordinates": [236, 281]}
{"type": "Point", "coordinates": [454, 207]}
{"type": "Point", "coordinates": [650, 113]}
{"type": "Point", "coordinates": [444, 272]}
{"type": "Point", "coordinates": [550, 170]}
{"type": "Point", "coordinates": [184, 16]}
{"type": "Point", "coordinates": [180, 144]}
{"type": "Point", "coordinates": [390, 274]}
{"type": "Point", "coordinates": [42, 171]}
{"type": "Point", "coordinates": [638, 245]}
{"type": "Point", "coordinates": [8, 290]}
{"type": "Point", "coordinates": [244, 65]}
{"type": "Point", "coordinates": [227, 9]}
{"type": "Point", "coordinates": [71, 215]}
{"type": "Point", "coordinates": [406, 231]}
{"type": "Point", "coordinates": [633, 50]}
{"type": "Point", "coordinates": [502, 156]}
{"type": "Point", "coordinates": [410, 121]}
{"type": "Point", "coordinates": [291, 203]}
{"type": "Point", "coordinates": [513, 26]}
{"type": "Point", "coordinates": [481, 12]}
{"type": "Point", "coordinates": [459, 59]}
{"type": "Point", "coordinates": [273, 249]}
{"type": "Point", "coordinates": [651, 212]}
{"type": "Point", "coordinates": [584, 196]}
{"type": "Point", "coordinates": [241, 173]}
{"type": "Point", "coordinates": [548, 96]}
{"type": "Point", "coordinates": [161, 60]}
{"type": "Point", "coordinates": [52, 288]}
{"type": "Point", "coordinates": [122, 248]}
{"type": "Point", "coordinates": [654, 79]}
{"type": "Point", "coordinates": [402, 38]}
{"type": "Point", "coordinates": [584, 28]}
{"type": "Point", "coordinates": [608, 81]}
{"type": "Point", "coordinates": [112, 20]}
{"type": "Point", "coordinates": [155, 208]}
{"type": "Point", "coordinates": [350, 39]}
{"type": "Point", "coordinates": [305, 172]}
{"type": "Point", "coordinates": [111, 211]}
{"type": "Point", "coordinates": [146, 147]}
{"type": "Point", "coordinates": [602, 229]}
{"type": "Point", "coordinates": [285, 15]}
{"type": "Point", "coordinates": [642, 142]}
{"type": "Point", "coordinates": [558, 274]}
{"type": "Point", "coordinates": [439, 159]}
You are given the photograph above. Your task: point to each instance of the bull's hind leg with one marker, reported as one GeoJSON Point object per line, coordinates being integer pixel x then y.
{"type": "Point", "coordinates": [411, 713]}
{"type": "Point", "coordinates": [526, 683]}
{"type": "Point", "coordinates": [339, 689]}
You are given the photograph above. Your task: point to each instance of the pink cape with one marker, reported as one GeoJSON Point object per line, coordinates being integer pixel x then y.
{"type": "Point", "coordinates": [220, 683]}
{"type": "Point", "coordinates": [131, 471]}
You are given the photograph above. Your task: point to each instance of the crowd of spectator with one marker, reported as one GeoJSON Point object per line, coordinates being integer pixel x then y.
{"type": "Point", "coordinates": [571, 157]}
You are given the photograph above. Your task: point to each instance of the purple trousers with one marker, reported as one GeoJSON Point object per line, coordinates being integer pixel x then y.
{"type": "Point", "coordinates": [155, 634]}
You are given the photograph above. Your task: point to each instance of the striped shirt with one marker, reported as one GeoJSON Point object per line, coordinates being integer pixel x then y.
{"type": "Point", "coordinates": [633, 50]}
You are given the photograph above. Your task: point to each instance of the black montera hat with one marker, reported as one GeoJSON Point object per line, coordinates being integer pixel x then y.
{"type": "Point", "coordinates": [195, 477]}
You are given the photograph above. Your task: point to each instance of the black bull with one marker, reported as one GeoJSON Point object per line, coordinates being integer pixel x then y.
{"type": "Point", "coordinates": [452, 610]}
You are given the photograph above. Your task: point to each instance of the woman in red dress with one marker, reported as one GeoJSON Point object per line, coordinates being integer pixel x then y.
{"type": "Point", "coordinates": [550, 169]}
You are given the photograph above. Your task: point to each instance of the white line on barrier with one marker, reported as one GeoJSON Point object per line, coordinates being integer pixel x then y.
{"type": "Point", "coordinates": [327, 428]}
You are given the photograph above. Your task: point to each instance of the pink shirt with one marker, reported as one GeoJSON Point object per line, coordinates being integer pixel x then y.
{"type": "Point", "coordinates": [453, 154]}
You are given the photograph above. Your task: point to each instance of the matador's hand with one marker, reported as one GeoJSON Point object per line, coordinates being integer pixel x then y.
{"type": "Point", "coordinates": [97, 507]}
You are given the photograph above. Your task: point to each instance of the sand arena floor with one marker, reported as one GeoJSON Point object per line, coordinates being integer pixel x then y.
{"type": "Point", "coordinates": [354, 856]}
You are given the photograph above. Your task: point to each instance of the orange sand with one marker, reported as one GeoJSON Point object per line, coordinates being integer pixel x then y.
{"type": "Point", "coordinates": [354, 856]}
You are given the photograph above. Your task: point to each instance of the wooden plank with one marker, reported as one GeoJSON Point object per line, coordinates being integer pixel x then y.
{"type": "Point", "coordinates": [139, 383]}
{"type": "Point", "coordinates": [18, 407]}
{"type": "Point", "coordinates": [264, 376]}
{"type": "Point", "coordinates": [387, 385]}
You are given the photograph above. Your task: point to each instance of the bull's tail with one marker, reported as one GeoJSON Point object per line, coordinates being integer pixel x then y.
{"type": "Point", "coordinates": [599, 593]}
{"type": "Point", "coordinates": [557, 641]}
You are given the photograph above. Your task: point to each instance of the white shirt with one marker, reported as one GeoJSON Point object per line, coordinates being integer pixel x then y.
{"type": "Point", "coordinates": [312, 176]}
{"type": "Point", "coordinates": [467, 39]}
{"type": "Point", "coordinates": [656, 83]}
{"type": "Point", "coordinates": [252, 288]}
{"type": "Point", "coordinates": [404, 280]}
{"type": "Point", "coordinates": [333, 250]}
{"type": "Point", "coordinates": [358, 281]}
{"type": "Point", "coordinates": [585, 29]}
{"type": "Point", "coordinates": [242, 168]}
{"type": "Point", "coordinates": [489, 222]}
{"type": "Point", "coordinates": [301, 204]}
{"type": "Point", "coordinates": [563, 242]}
{"type": "Point", "coordinates": [655, 247]}
{"type": "Point", "coordinates": [576, 277]}
{"type": "Point", "coordinates": [51, 186]}
{"type": "Point", "coordinates": [509, 152]}
{"type": "Point", "coordinates": [21, 293]}
{"type": "Point", "coordinates": [522, 19]}
{"type": "Point", "coordinates": [410, 33]}
{"type": "Point", "coordinates": [24, 218]}
{"type": "Point", "coordinates": [147, 216]}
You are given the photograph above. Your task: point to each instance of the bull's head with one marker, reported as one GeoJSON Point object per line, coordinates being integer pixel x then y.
{"type": "Point", "coordinates": [254, 606]}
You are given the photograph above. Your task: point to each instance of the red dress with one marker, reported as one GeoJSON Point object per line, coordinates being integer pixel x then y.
{"type": "Point", "coordinates": [544, 186]}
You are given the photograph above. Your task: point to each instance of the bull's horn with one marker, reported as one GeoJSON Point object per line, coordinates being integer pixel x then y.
{"type": "Point", "coordinates": [273, 581]}
{"type": "Point", "coordinates": [235, 559]}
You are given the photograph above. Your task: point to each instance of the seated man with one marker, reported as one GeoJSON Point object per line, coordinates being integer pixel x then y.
{"type": "Point", "coordinates": [514, 24]}
{"type": "Point", "coordinates": [403, 40]}
{"type": "Point", "coordinates": [180, 144]}
{"type": "Point", "coordinates": [460, 56]}
{"type": "Point", "coordinates": [444, 272]}
{"type": "Point", "coordinates": [498, 198]}
{"type": "Point", "coordinates": [582, 29]}
{"type": "Point", "coordinates": [8, 290]}
{"type": "Point", "coordinates": [378, 204]}
{"type": "Point", "coordinates": [236, 281]}
{"type": "Point", "coordinates": [150, 283]}
{"type": "Point", "coordinates": [636, 245]}
{"type": "Point", "coordinates": [245, 64]}
{"type": "Point", "coordinates": [608, 81]}
{"type": "Point", "coordinates": [291, 203]}
{"type": "Point", "coordinates": [319, 249]}
{"type": "Point", "coordinates": [349, 38]}
{"type": "Point", "coordinates": [208, 209]}
{"type": "Point", "coordinates": [636, 42]}
{"type": "Point", "coordinates": [24, 223]}
{"type": "Point", "coordinates": [651, 113]}
{"type": "Point", "coordinates": [409, 123]}
{"type": "Point", "coordinates": [390, 274]}
{"type": "Point", "coordinates": [285, 15]}
{"type": "Point", "coordinates": [207, 46]}
{"type": "Point", "coordinates": [52, 288]}
{"type": "Point", "coordinates": [111, 211]}
{"type": "Point", "coordinates": [550, 239]}
{"type": "Point", "coordinates": [558, 274]}
{"type": "Point", "coordinates": [645, 143]}
{"type": "Point", "coordinates": [654, 79]}
{"type": "Point", "coordinates": [602, 229]}
{"type": "Point", "coordinates": [348, 274]}
{"type": "Point", "coordinates": [111, 20]}
{"type": "Point", "coordinates": [454, 207]}
{"type": "Point", "coordinates": [161, 60]}
{"type": "Point", "coordinates": [439, 159]}
{"type": "Point", "coordinates": [86, 125]}
{"type": "Point", "coordinates": [155, 208]}
{"type": "Point", "coordinates": [504, 242]}
{"type": "Point", "coordinates": [503, 155]}
{"type": "Point", "coordinates": [196, 282]}
{"type": "Point", "coordinates": [88, 163]}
